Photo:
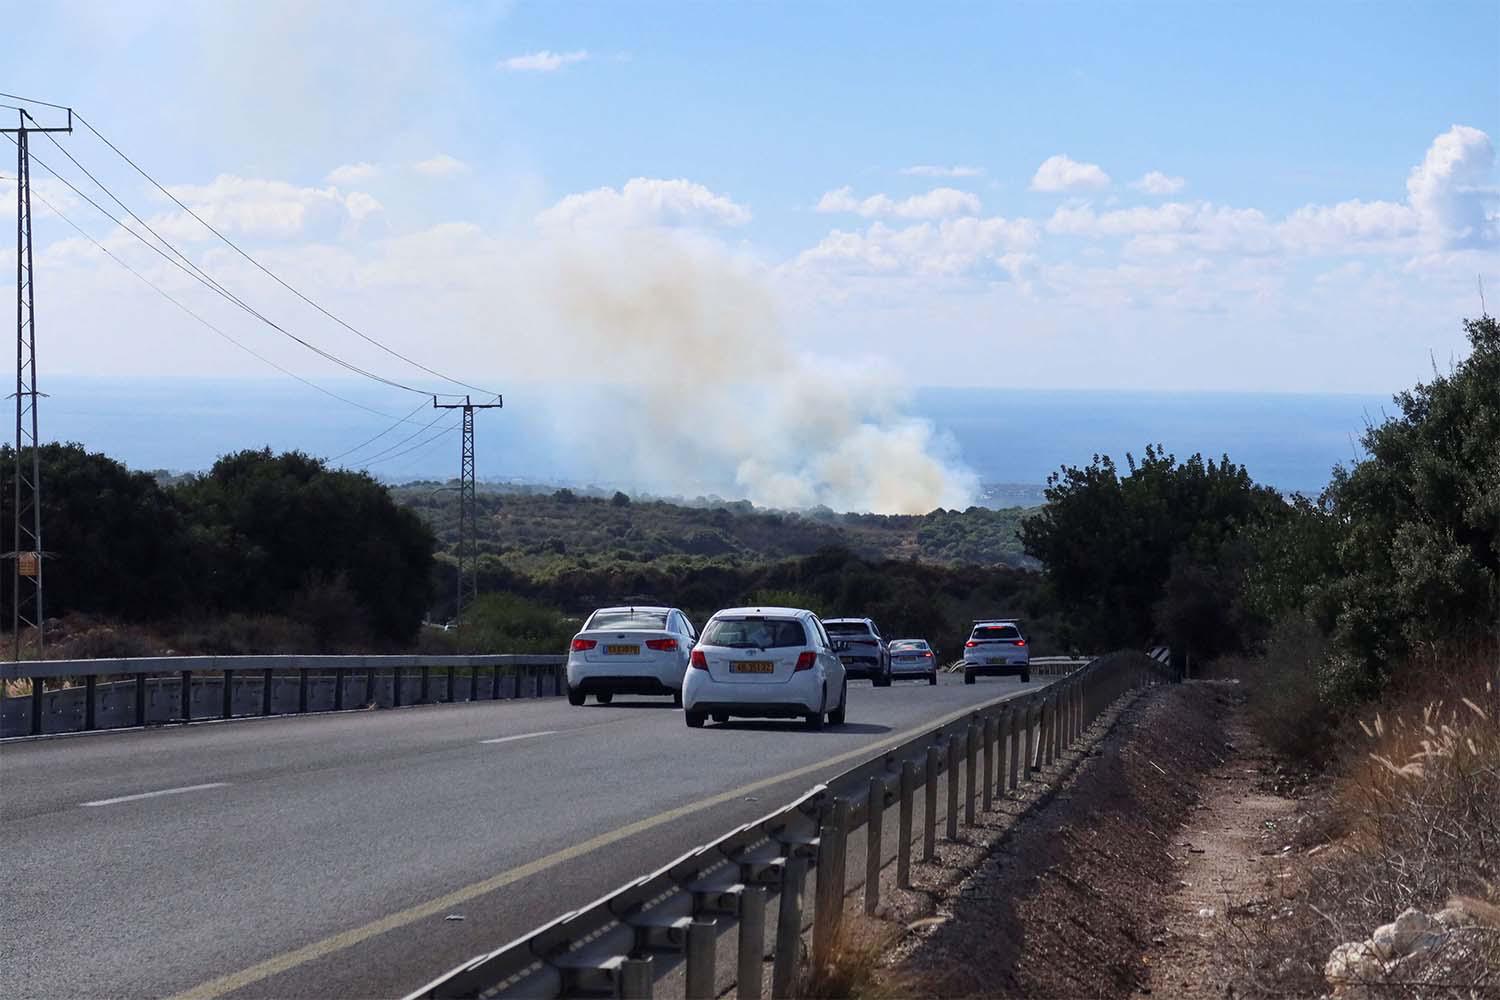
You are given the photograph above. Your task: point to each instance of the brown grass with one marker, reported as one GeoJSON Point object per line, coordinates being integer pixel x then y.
{"type": "Point", "coordinates": [1417, 799]}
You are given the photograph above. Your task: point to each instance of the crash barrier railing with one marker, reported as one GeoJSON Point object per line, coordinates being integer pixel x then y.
{"type": "Point", "coordinates": [667, 932]}
{"type": "Point", "coordinates": [1042, 666]}
{"type": "Point", "coordinates": [173, 689]}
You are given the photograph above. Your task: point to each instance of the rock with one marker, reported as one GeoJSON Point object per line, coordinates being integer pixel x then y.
{"type": "Point", "coordinates": [1353, 962]}
{"type": "Point", "coordinates": [1409, 926]}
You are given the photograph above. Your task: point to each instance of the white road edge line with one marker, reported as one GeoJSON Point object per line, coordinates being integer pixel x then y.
{"type": "Point", "coordinates": [522, 736]}
{"type": "Point", "coordinates": [152, 795]}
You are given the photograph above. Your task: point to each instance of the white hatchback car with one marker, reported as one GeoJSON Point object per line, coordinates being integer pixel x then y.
{"type": "Point", "coordinates": [997, 647]}
{"type": "Point", "coordinates": [765, 663]}
{"type": "Point", "coordinates": [630, 651]}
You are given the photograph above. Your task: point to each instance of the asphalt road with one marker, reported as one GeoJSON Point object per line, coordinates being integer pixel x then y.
{"type": "Point", "coordinates": [320, 856]}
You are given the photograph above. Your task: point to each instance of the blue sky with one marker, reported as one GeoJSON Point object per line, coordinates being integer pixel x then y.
{"type": "Point", "coordinates": [1169, 196]}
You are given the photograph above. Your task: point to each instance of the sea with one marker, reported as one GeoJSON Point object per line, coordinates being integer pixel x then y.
{"type": "Point", "coordinates": [1012, 439]}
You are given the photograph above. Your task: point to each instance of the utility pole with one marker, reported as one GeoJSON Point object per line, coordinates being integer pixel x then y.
{"type": "Point", "coordinates": [26, 550]}
{"type": "Point", "coordinates": [468, 517]}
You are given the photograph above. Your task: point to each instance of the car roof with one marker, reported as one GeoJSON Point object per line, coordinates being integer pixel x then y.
{"type": "Point", "coordinates": [996, 621]}
{"type": "Point", "coordinates": [742, 612]}
{"type": "Point", "coordinates": [633, 607]}
{"type": "Point", "coordinates": [922, 641]}
{"type": "Point", "coordinates": [843, 621]}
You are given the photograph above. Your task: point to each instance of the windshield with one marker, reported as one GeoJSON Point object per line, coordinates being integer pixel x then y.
{"type": "Point", "coordinates": [628, 618]}
{"type": "Point", "coordinates": [847, 629]}
{"type": "Point", "coordinates": [997, 632]}
{"type": "Point", "coordinates": [754, 633]}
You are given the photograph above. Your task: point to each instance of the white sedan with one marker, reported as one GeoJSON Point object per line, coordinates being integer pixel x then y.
{"type": "Point", "coordinates": [630, 651]}
{"type": "Point", "coordinates": [765, 663]}
{"type": "Point", "coordinates": [913, 658]}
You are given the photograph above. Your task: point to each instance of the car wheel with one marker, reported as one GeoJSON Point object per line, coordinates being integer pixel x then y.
{"type": "Point", "coordinates": [883, 681]}
{"type": "Point", "coordinates": [676, 699]}
{"type": "Point", "coordinates": [575, 697]}
{"type": "Point", "coordinates": [814, 720]}
{"type": "Point", "coordinates": [932, 677]}
{"type": "Point", "coordinates": [695, 720]}
{"type": "Point", "coordinates": [836, 717]}
{"type": "Point", "coordinates": [968, 677]}
{"type": "Point", "coordinates": [604, 697]}
{"type": "Point", "coordinates": [721, 717]}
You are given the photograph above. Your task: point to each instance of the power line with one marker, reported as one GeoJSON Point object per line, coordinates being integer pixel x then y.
{"type": "Point", "coordinates": [382, 434]}
{"type": "Point", "coordinates": [192, 271]}
{"type": "Point", "coordinates": [271, 274]}
{"type": "Point", "coordinates": [420, 444]}
{"type": "Point", "coordinates": [32, 100]}
{"type": "Point", "coordinates": [233, 340]}
{"type": "Point", "coordinates": [385, 453]}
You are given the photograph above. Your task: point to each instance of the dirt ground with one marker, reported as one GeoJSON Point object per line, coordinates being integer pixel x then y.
{"type": "Point", "coordinates": [1090, 894]}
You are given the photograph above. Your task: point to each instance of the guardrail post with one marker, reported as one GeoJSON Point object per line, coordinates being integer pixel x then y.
{"type": "Point", "coordinates": [929, 817]}
{"type": "Point", "coordinates": [828, 900]}
{"type": "Point", "coordinates": [187, 696]}
{"type": "Point", "coordinates": [701, 938]}
{"type": "Point", "coordinates": [495, 683]}
{"type": "Point", "coordinates": [903, 824]}
{"type": "Point", "coordinates": [1049, 729]}
{"type": "Point", "coordinates": [474, 683]}
{"type": "Point", "coordinates": [268, 676]}
{"type": "Point", "coordinates": [35, 726]}
{"type": "Point", "coordinates": [140, 699]}
{"type": "Point", "coordinates": [752, 942]}
{"type": "Point", "coordinates": [452, 689]}
{"type": "Point", "coordinates": [636, 975]}
{"type": "Point", "coordinates": [874, 828]}
{"type": "Point", "coordinates": [971, 755]}
{"type": "Point", "coordinates": [226, 710]}
{"type": "Point", "coordinates": [302, 679]}
{"type": "Point", "coordinates": [952, 788]}
{"type": "Point", "coordinates": [395, 687]}
{"type": "Point", "coordinates": [90, 689]}
{"type": "Point", "coordinates": [1033, 739]}
{"type": "Point", "coordinates": [338, 688]}
{"type": "Point", "coordinates": [788, 924]}
{"type": "Point", "coordinates": [425, 695]}
{"type": "Point", "coordinates": [989, 763]}
{"type": "Point", "coordinates": [1016, 721]}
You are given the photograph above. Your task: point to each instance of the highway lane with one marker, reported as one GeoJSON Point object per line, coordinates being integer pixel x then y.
{"type": "Point", "coordinates": [298, 853]}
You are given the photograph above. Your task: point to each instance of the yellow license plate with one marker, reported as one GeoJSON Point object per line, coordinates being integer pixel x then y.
{"type": "Point", "coordinates": [622, 650]}
{"type": "Point", "coordinates": [752, 667]}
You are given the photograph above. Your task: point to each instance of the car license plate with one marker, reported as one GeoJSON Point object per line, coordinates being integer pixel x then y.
{"type": "Point", "coordinates": [622, 650]}
{"type": "Point", "coordinates": [752, 667]}
{"type": "Point", "coordinates": [995, 659]}
{"type": "Point", "coordinates": [907, 659]}
{"type": "Point", "coordinates": [846, 659]}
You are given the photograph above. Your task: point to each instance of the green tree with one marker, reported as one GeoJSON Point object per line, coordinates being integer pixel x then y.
{"type": "Point", "coordinates": [266, 527]}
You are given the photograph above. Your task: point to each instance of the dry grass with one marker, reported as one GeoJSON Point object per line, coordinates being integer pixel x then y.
{"type": "Point", "coordinates": [854, 955]}
{"type": "Point", "coordinates": [1418, 804]}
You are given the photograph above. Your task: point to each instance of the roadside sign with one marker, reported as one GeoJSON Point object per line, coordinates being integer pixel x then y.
{"type": "Point", "coordinates": [30, 563]}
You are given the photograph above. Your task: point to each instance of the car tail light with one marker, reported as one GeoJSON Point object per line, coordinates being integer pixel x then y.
{"type": "Point", "coordinates": [970, 644]}
{"type": "Point", "coordinates": [928, 654]}
{"type": "Point", "coordinates": [579, 645]}
{"type": "Point", "coordinates": [1019, 642]}
{"type": "Point", "coordinates": [806, 660]}
{"type": "Point", "coordinates": [698, 660]}
{"type": "Point", "coordinates": [661, 644]}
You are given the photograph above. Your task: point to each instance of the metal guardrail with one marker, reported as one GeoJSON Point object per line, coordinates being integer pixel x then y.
{"type": "Point", "coordinates": [716, 897]}
{"type": "Point", "coordinates": [354, 680]}
{"type": "Point", "coordinates": [1042, 666]}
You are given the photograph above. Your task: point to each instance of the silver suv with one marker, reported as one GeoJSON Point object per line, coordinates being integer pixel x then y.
{"type": "Point", "coordinates": [867, 654]}
{"type": "Point", "coordinates": [997, 647]}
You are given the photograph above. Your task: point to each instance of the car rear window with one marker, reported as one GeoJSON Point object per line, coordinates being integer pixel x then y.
{"type": "Point", "coordinates": [847, 629]}
{"type": "Point", "coordinates": [907, 645]}
{"type": "Point", "coordinates": [756, 633]}
{"type": "Point", "coordinates": [628, 618]}
{"type": "Point", "coordinates": [997, 632]}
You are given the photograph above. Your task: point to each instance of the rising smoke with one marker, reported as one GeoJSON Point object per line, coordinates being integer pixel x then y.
{"type": "Point", "coordinates": [718, 399]}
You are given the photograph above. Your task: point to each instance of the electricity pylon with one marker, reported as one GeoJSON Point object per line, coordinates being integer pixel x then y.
{"type": "Point", "coordinates": [468, 516]}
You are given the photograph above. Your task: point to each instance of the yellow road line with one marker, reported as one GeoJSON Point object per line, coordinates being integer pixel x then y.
{"type": "Point", "coordinates": [442, 904]}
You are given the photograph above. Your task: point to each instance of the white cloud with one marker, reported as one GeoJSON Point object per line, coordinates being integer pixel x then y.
{"type": "Point", "coordinates": [950, 247]}
{"type": "Point", "coordinates": [938, 203]}
{"type": "Point", "coordinates": [263, 207]}
{"type": "Point", "coordinates": [1157, 182]}
{"type": "Point", "coordinates": [352, 173]}
{"type": "Point", "coordinates": [544, 61]}
{"type": "Point", "coordinates": [1349, 225]}
{"type": "Point", "coordinates": [1062, 173]}
{"type": "Point", "coordinates": [644, 201]}
{"type": "Point", "coordinates": [1450, 190]}
{"type": "Point", "coordinates": [928, 170]}
{"type": "Point", "coordinates": [441, 165]}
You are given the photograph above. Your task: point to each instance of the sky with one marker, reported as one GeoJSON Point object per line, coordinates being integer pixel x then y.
{"type": "Point", "coordinates": [691, 197]}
